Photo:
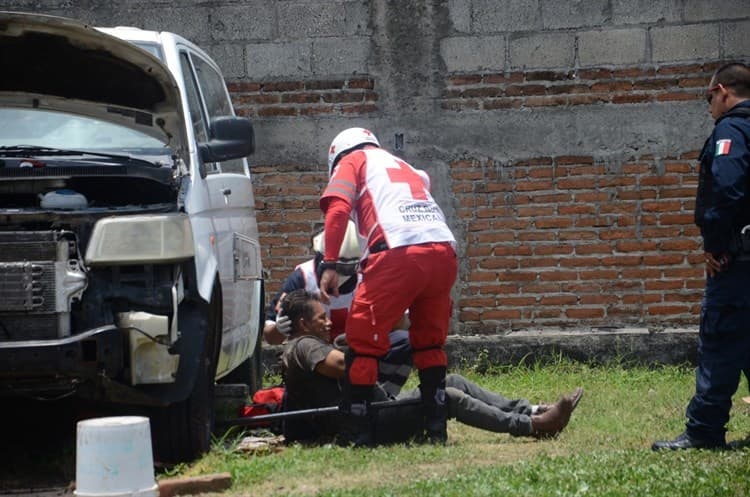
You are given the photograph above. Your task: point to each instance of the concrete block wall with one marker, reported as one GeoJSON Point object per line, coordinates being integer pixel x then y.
{"type": "Point", "coordinates": [561, 137]}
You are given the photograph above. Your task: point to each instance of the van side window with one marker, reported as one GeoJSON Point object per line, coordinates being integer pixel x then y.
{"type": "Point", "coordinates": [194, 101]}
{"type": "Point", "coordinates": [217, 102]}
{"type": "Point", "coordinates": [212, 87]}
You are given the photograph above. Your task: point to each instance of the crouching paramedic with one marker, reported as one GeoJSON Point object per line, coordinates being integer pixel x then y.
{"type": "Point", "coordinates": [312, 368]}
{"type": "Point", "coordinates": [409, 263]}
{"type": "Point", "coordinates": [307, 276]}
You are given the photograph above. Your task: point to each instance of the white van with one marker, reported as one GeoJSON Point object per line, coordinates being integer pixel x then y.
{"type": "Point", "coordinates": [130, 269]}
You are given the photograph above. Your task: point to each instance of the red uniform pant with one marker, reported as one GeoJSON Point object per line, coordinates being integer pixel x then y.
{"type": "Point", "coordinates": [415, 277]}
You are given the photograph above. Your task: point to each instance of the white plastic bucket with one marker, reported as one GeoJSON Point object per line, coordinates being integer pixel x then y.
{"type": "Point", "coordinates": [113, 458]}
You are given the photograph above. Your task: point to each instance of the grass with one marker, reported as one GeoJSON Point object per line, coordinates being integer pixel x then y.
{"type": "Point", "coordinates": [604, 451]}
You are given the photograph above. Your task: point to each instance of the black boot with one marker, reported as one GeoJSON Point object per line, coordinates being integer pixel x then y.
{"type": "Point", "coordinates": [357, 420]}
{"type": "Point", "coordinates": [434, 404]}
{"type": "Point", "coordinates": [357, 423]}
{"type": "Point", "coordinates": [685, 441]}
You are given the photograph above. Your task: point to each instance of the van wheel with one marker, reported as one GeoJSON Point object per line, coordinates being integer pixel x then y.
{"type": "Point", "coordinates": [182, 431]}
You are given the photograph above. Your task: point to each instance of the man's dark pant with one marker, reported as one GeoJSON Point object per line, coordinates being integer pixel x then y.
{"type": "Point", "coordinates": [724, 352]}
{"type": "Point", "coordinates": [467, 402]}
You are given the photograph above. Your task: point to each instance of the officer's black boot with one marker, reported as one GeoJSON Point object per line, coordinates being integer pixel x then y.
{"type": "Point", "coordinates": [434, 404]}
{"type": "Point", "coordinates": [357, 420]}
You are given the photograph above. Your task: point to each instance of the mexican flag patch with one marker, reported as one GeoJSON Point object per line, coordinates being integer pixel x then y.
{"type": "Point", "coordinates": [722, 147]}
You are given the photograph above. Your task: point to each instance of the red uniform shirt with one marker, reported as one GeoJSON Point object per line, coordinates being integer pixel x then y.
{"type": "Point", "coordinates": [391, 201]}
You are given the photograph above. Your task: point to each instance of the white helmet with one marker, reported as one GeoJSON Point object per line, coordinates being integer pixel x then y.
{"type": "Point", "coordinates": [347, 140]}
{"type": "Point", "coordinates": [349, 247]}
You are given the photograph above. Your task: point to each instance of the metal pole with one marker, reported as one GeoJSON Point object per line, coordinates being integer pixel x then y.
{"type": "Point", "coordinates": [320, 411]}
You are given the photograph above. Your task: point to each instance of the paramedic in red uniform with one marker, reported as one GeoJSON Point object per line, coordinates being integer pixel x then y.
{"type": "Point", "coordinates": [409, 263]}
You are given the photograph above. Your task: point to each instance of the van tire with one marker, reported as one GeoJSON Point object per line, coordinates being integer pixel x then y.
{"type": "Point", "coordinates": [182, 431]}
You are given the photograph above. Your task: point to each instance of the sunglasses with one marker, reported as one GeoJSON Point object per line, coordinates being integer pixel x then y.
{"type": "Point", "coordinates": [710, 92]}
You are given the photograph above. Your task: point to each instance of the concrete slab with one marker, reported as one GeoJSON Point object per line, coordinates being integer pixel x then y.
{"type": "Point", "coordinates": [627, 345]}
{"type": "Point", "coordinates": [193, 485]}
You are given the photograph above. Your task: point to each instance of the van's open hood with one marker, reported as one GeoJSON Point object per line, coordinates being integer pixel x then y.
{"type": "Point", "coordinates": [59, 64]}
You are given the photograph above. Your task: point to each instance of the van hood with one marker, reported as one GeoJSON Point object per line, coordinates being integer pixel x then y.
{"type": "Point", "coordinates": [59, 64]}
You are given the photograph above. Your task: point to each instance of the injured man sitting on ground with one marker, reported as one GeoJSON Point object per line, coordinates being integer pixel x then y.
{"type": "Point", "coordinates": [312, 368]}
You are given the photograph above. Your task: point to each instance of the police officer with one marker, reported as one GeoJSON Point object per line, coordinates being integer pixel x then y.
{"type": "Point", "coordinates": [722, 209]}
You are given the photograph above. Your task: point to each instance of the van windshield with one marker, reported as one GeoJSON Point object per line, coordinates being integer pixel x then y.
{"type": "Point", "coordinates": [42, 128]}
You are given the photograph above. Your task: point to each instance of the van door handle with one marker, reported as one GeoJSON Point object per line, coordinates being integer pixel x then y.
{"type": "Point", "coordinates": [226, 191]}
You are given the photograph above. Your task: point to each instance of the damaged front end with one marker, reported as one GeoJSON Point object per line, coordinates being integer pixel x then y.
{"type": "Point", "coordinates": [94, 242]}
{"type": "Point", "coordinates": [89, 293]}
{"type": "Point", "coordinates": [94, 247]}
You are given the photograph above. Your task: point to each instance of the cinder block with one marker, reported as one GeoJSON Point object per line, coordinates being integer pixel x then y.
{"type": "Point", "coordinates": [300, 20]}
{"type": "Point", "coordinates": [253, 20]}
{"type": "Point", "coordinates": [279, 59]}
{"type": "Point", "coordinates": [689, 42]}
{"type": "Point", "coordinates": [645, 11]}
{"type": "Point", "coordinates": [231, 59]}
{"type": "Point", "coordinates": [736, 40]}
{"type": "Point", "coordinates": [229, 398]}
{"type": "Point", "coordinates": [706, 10]}
{"type": "Point", "coordinates": [340, 56]}
{"type": "Point", "coordinates": [356, 18]}
{"type": "Point", "coordinates": [542, 50]}
{"type": "Point", "coordinates": [612, 46]}
{"type": "Point", "coordinates": [322, 18]}
{"type": "Point", "coordinates": [97, 17]}
{"type": "Point", "coordinates": [491, 16]}
{"type": "Point", "coordinates": [188, 22]}
{"type": "Point", "coordinates": [459, 12]}
{"type": "Point", "coordinates": [574, 13]}
{"type": "Point", "coordinates": [474, 53]}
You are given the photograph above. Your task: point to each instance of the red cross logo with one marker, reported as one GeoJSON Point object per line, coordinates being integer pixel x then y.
{"type": "Point", "coordinates": [405, 174]}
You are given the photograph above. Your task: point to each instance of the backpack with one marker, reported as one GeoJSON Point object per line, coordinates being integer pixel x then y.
{"type": "Point", "coordinates": [266, 401]}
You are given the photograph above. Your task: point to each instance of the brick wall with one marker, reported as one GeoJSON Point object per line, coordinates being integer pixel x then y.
{"type": "Point", "coordinates": [304, 98]}
{"type": "Point", "coordinates": [558, 240]}
{"type": "Point", "coordinates": [567, 240]}
{"type": "Point", "coordinates": [553, 241]}
{"type": "Point", "coordinates": [286, 202]}
{"type": "Point", "coordinates": [596, 85]}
